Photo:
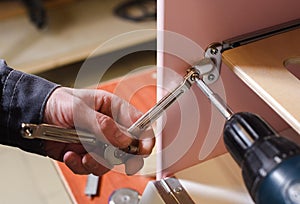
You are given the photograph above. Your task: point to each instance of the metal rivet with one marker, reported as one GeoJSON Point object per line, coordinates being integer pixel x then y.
{"type": "Point", "coordinates": [177, 189]}
{"type": "Point", "coordinates": [211, 77]}
{"type": "Point", "coordinates": [28, 132]}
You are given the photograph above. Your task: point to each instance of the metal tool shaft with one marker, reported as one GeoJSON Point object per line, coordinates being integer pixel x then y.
{"type": "Point", "coordinates": [112, 154]}
{"type": "Point", "coordinates": [154, 113]}
{"type": "Point", "coordinates": [216, 100]}
{"type": "Point", "coordinates": [56, 133]}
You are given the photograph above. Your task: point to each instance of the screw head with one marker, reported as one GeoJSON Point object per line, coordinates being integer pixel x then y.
{"type": "Point", "coordinates": [211, 77]}
{"type": "Point", "coordinates": [214, 51]}
{"type": "Point", "coordinates": [178, 189]}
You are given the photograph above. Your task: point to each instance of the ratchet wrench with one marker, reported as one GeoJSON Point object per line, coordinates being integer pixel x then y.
{"type": "Point", "coordinates": [113, 154]}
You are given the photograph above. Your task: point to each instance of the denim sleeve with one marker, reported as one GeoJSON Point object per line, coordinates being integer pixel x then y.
{"type": "Point", "coordinates": [23, 99]}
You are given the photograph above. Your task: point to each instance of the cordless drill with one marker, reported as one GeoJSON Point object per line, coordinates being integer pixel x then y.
{"type": "Point", "coordinates": [270, 163]}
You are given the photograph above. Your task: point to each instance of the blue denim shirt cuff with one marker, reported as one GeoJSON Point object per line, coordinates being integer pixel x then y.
{"type": "Point", "coordinates": [23, 99]}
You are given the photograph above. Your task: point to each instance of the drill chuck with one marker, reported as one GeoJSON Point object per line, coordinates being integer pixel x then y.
{"type": "Point", "coordinates": [270, 164]}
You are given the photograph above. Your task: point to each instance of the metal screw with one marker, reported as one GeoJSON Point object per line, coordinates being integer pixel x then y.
{"type": "Point", "coordinates": [194, 75]}
{"type": "Point", "coordinates": [214, 50]}
{"type": "Point", "coordinates": [211, 77]}
{"type": "Point", "coordinates": [28, 132]}
{"type": "Point", "coordinates": [177, 189]}
{"type": "Point", "coordinates": [119, 153]}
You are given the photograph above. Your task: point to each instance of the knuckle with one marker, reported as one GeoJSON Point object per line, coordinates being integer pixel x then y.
{"type": "Point", "coordinates": [105, 122]}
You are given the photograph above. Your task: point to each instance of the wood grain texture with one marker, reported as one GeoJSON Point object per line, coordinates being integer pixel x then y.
{"type": "Point", "coordinates": [261, 66]}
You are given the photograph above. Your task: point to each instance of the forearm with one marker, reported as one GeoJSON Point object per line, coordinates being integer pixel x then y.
{"type": "Point", "coordinates": [23, 99]}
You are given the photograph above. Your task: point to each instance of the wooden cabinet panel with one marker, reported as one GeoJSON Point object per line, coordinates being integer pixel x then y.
{"type": "Point", "coordinates": [192, 129]}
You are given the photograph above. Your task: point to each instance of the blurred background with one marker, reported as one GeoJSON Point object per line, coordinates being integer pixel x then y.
{"type": "Point", "coordinates": [53, 39]}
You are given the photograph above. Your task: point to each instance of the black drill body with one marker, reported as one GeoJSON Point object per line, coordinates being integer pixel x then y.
{"type": "Point", "coordinates": [270, 163]}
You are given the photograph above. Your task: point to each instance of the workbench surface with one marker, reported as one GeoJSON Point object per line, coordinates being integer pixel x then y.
{"type": "Point", "coordinates": [74, 31]}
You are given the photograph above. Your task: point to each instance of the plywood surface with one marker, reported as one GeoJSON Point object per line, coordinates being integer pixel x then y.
{"type": "Point", "coordinates": [261, 65]}
{"type": "Point", "coordinates": [74, 31]}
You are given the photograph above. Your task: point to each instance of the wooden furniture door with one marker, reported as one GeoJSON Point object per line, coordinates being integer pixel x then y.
{"type": "Point", "coordinates": [191, 131]}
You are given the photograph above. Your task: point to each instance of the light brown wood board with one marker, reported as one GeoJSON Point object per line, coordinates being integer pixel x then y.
{"type": "Point", "coordinates": [262, 66]}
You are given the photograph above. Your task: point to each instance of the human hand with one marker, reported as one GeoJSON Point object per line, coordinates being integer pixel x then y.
{"type": "Point", "coordinates": [101, 113]}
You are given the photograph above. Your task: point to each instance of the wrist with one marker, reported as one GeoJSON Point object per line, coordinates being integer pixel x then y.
{"type": "Point", "coordinates": [57, 107]}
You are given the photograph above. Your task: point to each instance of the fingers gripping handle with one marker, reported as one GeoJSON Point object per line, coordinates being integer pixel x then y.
{"type": "Point", "coordinates": [113, 154]}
